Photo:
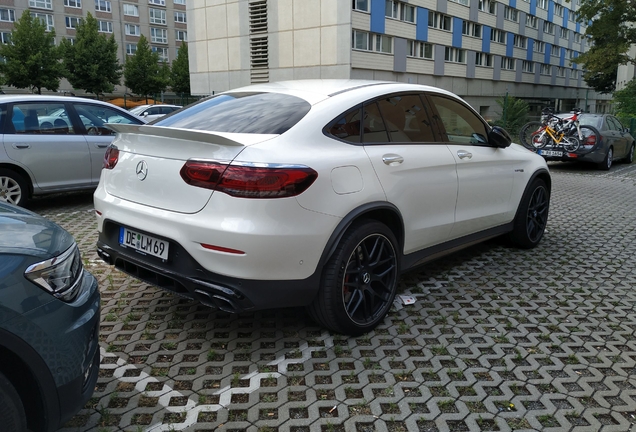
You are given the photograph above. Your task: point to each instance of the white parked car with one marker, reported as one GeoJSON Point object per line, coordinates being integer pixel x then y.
{"type": "Point", "coordinates": [312, 193]}
{"type": "Point", "coordinates": [153, 112]}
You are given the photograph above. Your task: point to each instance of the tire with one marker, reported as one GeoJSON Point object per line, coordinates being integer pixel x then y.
{"type": "Point", "coordinates": [588, 132]}
{"type": "Point", "coordinates": [13, 188]}
{"type": "Point", "coordinates": [12, 415]}
{"type": "Point", "coordinates": [607, 161]}
{"type": "Point", "coordinates": [359, 281]}
{"type": "Point", "coordinates": [527, 134]}
{"type": "Point", "coordinates": [630, 156]}
{"type": "Point", "coordinates": [532, 216]}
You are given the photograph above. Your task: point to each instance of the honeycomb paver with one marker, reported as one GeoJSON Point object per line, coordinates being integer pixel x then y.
{"type": "Point", "coordinates": [499, 339]}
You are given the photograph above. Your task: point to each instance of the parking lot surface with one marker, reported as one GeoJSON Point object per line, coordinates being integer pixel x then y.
{"type": "Point", "coordinates": [498, 339]}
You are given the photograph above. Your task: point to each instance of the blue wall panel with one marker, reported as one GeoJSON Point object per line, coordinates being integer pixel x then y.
{"type": "Point", "coordinates": [510, 43]}
{"type": "Point", "coordinates": [457, 32]}
{"type": "Point", "coordinates": [562, 59]}
{"type": "Point", "coordinates": [533, 7]}
{"type": "Point", "coordinates": [551, 11]}
{"type": "Point", "coordinates": [530, 49]}
{"type": "Point", "coordinates": [421, 28]}
{"type": "Point", "coordinates": [548, 50]}
{"type": "Point", "coordinates": [377, 16]}
{"type": "Point", "coordinates": [485, 41]}
{"type": "Point", "coordinates": [578, 27]}
{"type": "Point", "coordinates": [513, 4]}
{"type": "Point", "coordinates": [566, 17]}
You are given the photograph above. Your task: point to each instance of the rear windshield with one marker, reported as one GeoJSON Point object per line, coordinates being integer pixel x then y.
{"type": "Point", "coordinates": [256, 113]}
{"type": "Point", "coordinates": [594, 121]}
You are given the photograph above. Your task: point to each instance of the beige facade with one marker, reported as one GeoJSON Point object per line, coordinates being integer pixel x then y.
{"type": "Point", "coordinates": [479, 49]}
{"type": "Point", "coordinates": [162, 22]}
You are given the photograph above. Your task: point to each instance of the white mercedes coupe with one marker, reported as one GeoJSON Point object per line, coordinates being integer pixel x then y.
{"type": "Point", "coordinates": [315, 193]}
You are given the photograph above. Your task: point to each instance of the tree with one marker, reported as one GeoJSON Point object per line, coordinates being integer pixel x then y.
{"type": "Point", "coordinates": [514, 113]}
{"type": "Point", "coordinates": [143, 74]}
{"type": "Point", "coordinates": [180, 74]}
{"type": "Point", "coordinates": [32, 59]}
{"type": "Point", "coordinates": [626, 102]}
{"type": "Point", "coordinates": [612, 35]}
{"type": "Point", "coordinates": [91, 63]}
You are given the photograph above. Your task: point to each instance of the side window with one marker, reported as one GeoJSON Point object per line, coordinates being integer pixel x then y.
{"type": "Point", "coordinates": [406, 119]}
{"type": "Point", "coordinates": [461, 124]}
{"type": "Point", "coordinates": [95, 117]}
{"type": "Point", "coordinates": [614, 124]}
{"type": "Point", "coordinates": [374, 128]}
{"type": "Point", "coordinates": [347, 127]}
{"type": "Point", "coordinates": [40, 118]}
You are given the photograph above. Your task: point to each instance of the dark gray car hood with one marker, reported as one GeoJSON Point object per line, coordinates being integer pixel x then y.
{"type": "Point", "coordinates": [25, 233]}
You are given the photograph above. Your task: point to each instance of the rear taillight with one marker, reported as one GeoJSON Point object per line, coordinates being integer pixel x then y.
{"type": "Point", "coordinates": [590, 140]}
{"type": "Point", "coordinates": [248, 181]}
{"type": "Point", "coordinates": [111, 157]}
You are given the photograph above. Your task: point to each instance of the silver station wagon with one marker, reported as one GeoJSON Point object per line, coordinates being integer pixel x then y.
{"type": "Point", "coordinates": [53, 143]}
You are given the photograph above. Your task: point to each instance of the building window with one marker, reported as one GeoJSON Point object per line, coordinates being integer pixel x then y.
{"type": "Point", "coordinates": [163, 53]}
{"type": "Point", "coordinates": [507, 63]}
{"type": "Point", "coordinates": [527, 66]}
{"type": "Point", "coordinates": [546, 69]}
{"type": "Point", "coordinates": [8, 15]}
{"type": "Point", "coordinates": [132, 30]}
{"type": "Point", "coordinates": [574, 74]}
{"type": "Point", "coordinates": [561, 72]}
{"type": "Point", "coordinates": [131, 10]}
{"type": "Point", "coordinates": [520, 41]}
{"type": "Point", "coordinates": [548, 27]}
{"type": "Point", "coordinates": [511, 14]}
{"type": "Point", "coordinates": [407, 13]}
{"type": "Point", "coordinates": [5, 37]}
{"type": "Point", "coordinates": [157, 16]}
{"type": "Point", "coordinates": [420, 49]}
{"type": "Point", "coordinates": [558, 10]}
{"type": "Point", "coordinates": [157, 2]}
{"type": "Point", "coordinates": [105, 26]}
{"type": "Point", "coordinates": [539, 46]}
{"type": "Point", "coordinates": [41, 4]}
{"type": "Point", "coordinates": [46, 19]}
{"type": "Point", "coordinates": [471, 29]}
{"type": "Point", "coordinates": [497, 35]}
{"type": "Point", "coordinates": [181, 2]}
{"type": "Point", "coordinates": [372, 42]}
{"type": "Point", "coordinates": [577, 37]}
{"type": "Point", "coordinates": [543, 4]}
{"type": "Point", "coordinates": [180, 35]}
{"type": "Point", "coordinates": [489, 6]}
{"type": "Point", "coordinates": [72, 22]}
{"type": "Point", "coordinates": [483, 59]}
{"type": "Point", "coordinates": [158, 35]}
{"type": "Point", "coordinates": [565, 33]}
{"type": "Point", "coordinates": [572, 16]}
{"type": "Point", "coordinates": [531, 21]}
{"type": "Point", "coordinates": [180, 17]}
{"type": "Point", "coordinates": [461, 2]}
{"type": "Point", "coordinates": [440, 21]}
{"type": "Point", "coordinates": [71, 40]}
{"type": "Point", "coordinates": [361, 5]}
{"type": "Point", "coordinates": [73, 3]}
{"type": "Point", "coordinates": [102, 6]}
{"type": "Point", "coordinates": [454, 55]}
{"type": "Point", "coordinates": [131, 49]}
{"type": "Point", "coordinates": [398, 10]}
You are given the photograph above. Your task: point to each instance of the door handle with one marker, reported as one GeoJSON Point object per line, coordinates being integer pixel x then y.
{"type": "Point", "coordinates": [21, 146]}
{"type": "Point", "coordinates": [463, 154]}
{"type": "Point", "coordinates": [100, 145]}
{"type": "Point", "coordinates": [392, 159]}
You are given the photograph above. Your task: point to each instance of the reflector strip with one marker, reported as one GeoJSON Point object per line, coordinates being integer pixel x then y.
{"type": "Point", "coordinates": [222, 249]}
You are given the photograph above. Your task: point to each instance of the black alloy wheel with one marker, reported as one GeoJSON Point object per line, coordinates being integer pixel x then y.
{"type": "Point", "coordinates": [537, 216]}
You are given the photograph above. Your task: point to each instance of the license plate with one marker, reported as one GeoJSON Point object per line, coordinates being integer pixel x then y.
{"type": "Point", "coordinates": [550, 153]}
{"type": "Point", "coordinates": [143, 243]}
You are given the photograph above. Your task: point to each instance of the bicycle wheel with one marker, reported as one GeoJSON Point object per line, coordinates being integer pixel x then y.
{"type": "Point", "coordinates": [590, 137]}
{"type": "Point", "coordinates": [571, 143]}
{"type": "Point", "coordinates": [530, 135]}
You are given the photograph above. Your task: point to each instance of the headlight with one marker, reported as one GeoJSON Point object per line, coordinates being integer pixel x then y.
{"type": "Point", "coordinates": [60, 275]}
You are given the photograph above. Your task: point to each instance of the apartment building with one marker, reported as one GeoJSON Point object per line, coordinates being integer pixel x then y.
{"type": "Point", "coordinates": [479, 49]}
{"type": "Point", "coordinates": [162, 22]}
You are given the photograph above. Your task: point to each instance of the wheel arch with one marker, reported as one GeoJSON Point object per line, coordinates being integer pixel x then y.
{"type": "Point", "coordinates": [19, 170]}
{"type": "Point", "coordinates": [30, 376]}
{"type": "Point", "coordinates": [542, 174]}
{"type": "Point", "coordinates": [381, 211]}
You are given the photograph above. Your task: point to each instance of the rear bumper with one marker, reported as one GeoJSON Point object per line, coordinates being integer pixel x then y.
{"type": "Point", "coordinates": [184, 276]}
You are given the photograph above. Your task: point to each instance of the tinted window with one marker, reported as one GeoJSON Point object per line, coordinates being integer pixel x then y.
{"type": "Point", "coordinates": [257, 113]}
{"type": "Point", "coordinates": [374, 128]}
{"type": "Point", "coordinates": [40, 118]}
{"type": "Point", "coordinates": [462, 125]}
{"type": "Point", "coordinates": [347, 127]}
{"type": "Point", "coordinates": [406, 119]}
{"type": "Point", "coordinates": [614, 124]}
{"type": "Point", "coordinates": [94, 117]}
{"type": "Point", "coordinates": [589, 120]}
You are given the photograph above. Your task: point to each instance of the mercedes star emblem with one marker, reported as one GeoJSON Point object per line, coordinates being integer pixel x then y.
{"type": "Point", "coordinates": [142, 170]}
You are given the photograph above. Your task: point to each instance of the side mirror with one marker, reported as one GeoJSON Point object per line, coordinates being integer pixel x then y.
{"type": "Point", "coordinates": [145, 114]}
{"type": "Point", "coordinates": [499, 137]}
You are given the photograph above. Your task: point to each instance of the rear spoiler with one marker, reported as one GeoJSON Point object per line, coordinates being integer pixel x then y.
{"type": "Point", "coordinates": [184, 134]}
